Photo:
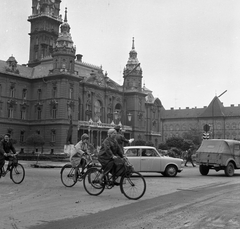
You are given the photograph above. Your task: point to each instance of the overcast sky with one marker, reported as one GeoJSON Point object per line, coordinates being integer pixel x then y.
{"type": "Point", "coordinates": [189, 50]}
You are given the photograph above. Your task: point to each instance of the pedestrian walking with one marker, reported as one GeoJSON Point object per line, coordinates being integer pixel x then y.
{"type": "Point", "coordinates": [189, 156]}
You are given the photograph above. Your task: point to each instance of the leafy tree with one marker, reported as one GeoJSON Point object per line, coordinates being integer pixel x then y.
{"type": "Point", "coordinates": [149, 144]}
{"type": "Point", "coordinates": [194, 135]}
{"type": "Point", "coordinates": [139, 143]}
{"type": "Point", "coordinates": [174, 142]}
{"type": "Point", "coordinates": [186, 144]}
{"type": "Point", "coordinates": [163, 146]}
{"type": "Point", "coordinates": [35, 140]}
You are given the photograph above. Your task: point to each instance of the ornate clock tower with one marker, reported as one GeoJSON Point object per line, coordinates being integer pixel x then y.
{"type": "Point", "coordinates": [132, 73]}
{"type": "Point", "coordinates": [45, 21]}
{"type": "Point", "coordinates": [134, 96]}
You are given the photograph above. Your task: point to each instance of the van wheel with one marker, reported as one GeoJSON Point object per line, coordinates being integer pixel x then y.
{"type": "Point", "coordinates": [203, 169]}
{"type": "Point", "coordinates": [229, 170]}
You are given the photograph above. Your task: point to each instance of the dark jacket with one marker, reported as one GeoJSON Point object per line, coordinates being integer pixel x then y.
{"type": "Point", "coordinates": [109, 149]}
{"type": "Point", "coordinates": [121, 140]}
{"type": "Point", "coordinates": [6, 147]}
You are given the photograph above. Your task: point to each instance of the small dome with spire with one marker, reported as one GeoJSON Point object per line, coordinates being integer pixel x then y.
{"type": "Point", "coordinates": [64, 38]}
{"type": "Point", "coordinates": [133, 60]}
{"type": "Point", "coordinates": [65, 27]}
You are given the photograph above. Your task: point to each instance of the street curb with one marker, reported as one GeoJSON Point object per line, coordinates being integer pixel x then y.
{"type": "Point", "coordinates": [45, 166]}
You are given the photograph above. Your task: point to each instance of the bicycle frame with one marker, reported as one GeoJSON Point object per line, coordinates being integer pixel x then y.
{"type": "Point", "coordinates": [8, 168]}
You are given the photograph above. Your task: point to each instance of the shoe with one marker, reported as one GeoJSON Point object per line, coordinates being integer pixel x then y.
{"type": "Point", "coordinates": [81, 174]}
{"type": "Point", "coordinates": [116, 183]}
{"type": "Point", "coordinates": [194, 166]}
{"type": "Point", "coordinates": [186, 166]}
{"type": "Point", "coordinates": [75, 178]}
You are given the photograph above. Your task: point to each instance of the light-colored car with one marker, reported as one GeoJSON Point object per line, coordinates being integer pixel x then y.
{"type": "Point", "coordinates": [148, 159]}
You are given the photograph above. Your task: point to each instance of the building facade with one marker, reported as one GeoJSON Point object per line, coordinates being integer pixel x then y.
{"type": "Point", "coordinates": [60, 97]}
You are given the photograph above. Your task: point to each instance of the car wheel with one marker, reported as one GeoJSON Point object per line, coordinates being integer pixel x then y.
{"type": "Point", "coordinates": [203, 169]}
{"type": "Point", "coordinates": [171, 171]}
{"type": "Point", "coordinates": [229, 170]}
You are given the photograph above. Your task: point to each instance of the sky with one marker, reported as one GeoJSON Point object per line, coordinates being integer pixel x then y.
{"type": "Point", "coordinates": [189, 50]}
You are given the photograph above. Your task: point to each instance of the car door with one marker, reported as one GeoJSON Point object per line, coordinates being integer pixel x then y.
{"type": "Point", "coordinates": [133, 156]}
{"type": "Point", "coordinates": [150, 161]}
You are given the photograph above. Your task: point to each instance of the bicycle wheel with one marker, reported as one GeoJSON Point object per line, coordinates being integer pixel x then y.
{"type": "Point", "coordinates": [67, 175]}
{"type": "Point", "coordinates": [91, 182]}
{"type": "Point", "coordinates": [133, 186]}
{"type": "Point", "coordinates": [17, 173]}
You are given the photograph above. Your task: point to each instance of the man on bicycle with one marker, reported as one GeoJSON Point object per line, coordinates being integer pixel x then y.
{"type": "Point", "coordinates": [110, 153]}
{"type": "Point", "coordinates": [77, 158]}
{"type": "Point", "coordinates": [7, 151]}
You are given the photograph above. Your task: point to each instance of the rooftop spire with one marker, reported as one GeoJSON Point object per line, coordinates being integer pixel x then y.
{"type": "Point", "coordinates": [65, 18]}
{"type": "Point", "coordinates": [133, 44]}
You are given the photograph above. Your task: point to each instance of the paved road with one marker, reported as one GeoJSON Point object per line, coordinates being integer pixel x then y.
{"type": "Point", "coordinates": [41, 198]}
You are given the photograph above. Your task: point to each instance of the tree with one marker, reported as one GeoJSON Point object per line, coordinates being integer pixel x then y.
{"type": "Point", "coordinates": [193, 134]}
{"type": "Point", "coordinates": [163, 146]}
{"type": "Point", "coordinates": [35, 140]}
{"type": "Point", "coordinates": [174, 142]}
{"type": "Point", "coordinates": [149, 144]}
{"type": "Point", "coordinates": [139, 143]}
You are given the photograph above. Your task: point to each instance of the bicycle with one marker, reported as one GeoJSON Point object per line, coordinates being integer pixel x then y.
{"type": "Point", "coordinates": [132, 184]}
{"type": "Point", "coordinates": [68, 172]}
{"type": "Point", "coordinates": [17, 171]}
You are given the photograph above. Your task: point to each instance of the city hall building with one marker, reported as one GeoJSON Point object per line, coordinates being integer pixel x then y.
{"type": "Point", "coordinates": [57, 95]}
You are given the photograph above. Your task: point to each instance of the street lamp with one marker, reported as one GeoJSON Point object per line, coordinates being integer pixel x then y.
{"type": "Point", "coordinates": [213, 110]}
{"type": "Point", "coordinates": [117, 117]}
{"type": "Point", "coordinates": [129, 115]}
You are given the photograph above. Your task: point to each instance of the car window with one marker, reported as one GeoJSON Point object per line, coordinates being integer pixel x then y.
{"type": "Point", "coordinates": [149, 153]}
{"type": "Point", "coordinates": [132, 152]}
{"type": "Point", "coordinates": [237, 149]}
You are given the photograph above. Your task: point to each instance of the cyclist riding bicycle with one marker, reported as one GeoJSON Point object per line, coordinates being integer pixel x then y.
{"type": "Point", "coordinates": [78, 156]}
{"type": "Point", "coordinates": [7, 152]}
{"type": "Point", "coordinates": [110, 155]}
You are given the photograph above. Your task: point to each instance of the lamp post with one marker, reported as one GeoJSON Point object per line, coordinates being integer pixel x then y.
{"type": "Point", "coordinates": [129, 115]}
{"type": "Point", "coordinates": [117, 117]}
{"type": "Point", "coordinates": [213, 110]}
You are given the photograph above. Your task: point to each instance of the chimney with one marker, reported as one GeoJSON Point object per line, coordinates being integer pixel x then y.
{"type": "Point", "coordinates": [79, 57]}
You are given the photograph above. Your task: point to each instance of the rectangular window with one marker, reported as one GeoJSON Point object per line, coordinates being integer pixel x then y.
{"type": "Point", "coordinates": [22, 136]}
{"type": "Point", "coordinates": [23, 114]}
{"type": "Point", "coordinates": [54, 113]}
{"type": "Point", "coordinates": [54, 92]}
{"type": "Point", "coordinates": [39, 94]}
{"type": "Point", "coordinates": [24, 94]}
{"type": "Point", "coordinates": [10, 112]}
{"type": "Point", "coordinates": [12, 92]}
{"type": "Point", "coordinates": [71, 93]}
{"type": "Point", "coordinates": [53, 136]}
{"type": "Point", "coordinates": [39, 113]}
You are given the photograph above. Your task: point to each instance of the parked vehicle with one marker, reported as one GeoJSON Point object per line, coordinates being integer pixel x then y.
{"type": "Point", "coordinates": [218, 154]}
{"type": "Point", "coordinates": [148, 159]}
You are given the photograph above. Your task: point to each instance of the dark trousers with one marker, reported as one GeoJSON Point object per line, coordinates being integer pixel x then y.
{"type": "Point", "coordinates": [2, 162]}
{"type": "Point", "coordinates": [189, 159]}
